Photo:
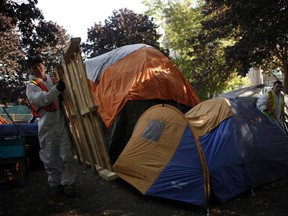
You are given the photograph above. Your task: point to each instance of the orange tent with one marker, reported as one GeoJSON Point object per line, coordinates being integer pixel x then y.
{"type": "Point", "coordinates": [127, 81]}
{"type": "Point", "coordinates": [136, 72]}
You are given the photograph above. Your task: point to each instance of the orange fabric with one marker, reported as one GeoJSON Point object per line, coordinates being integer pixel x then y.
{"type": "Point", "coordinates": [142, 159]}
{"type": "Point", "coordinates": [142, 156]}
{"type": "Point", "coordinates": [3, 121]}
{"type": "Point", "coordinates": [50, 108]}
{"type": "Point", "coordinates": [144, 74]}
{"type": "Point", "coordinates": [208, 114]}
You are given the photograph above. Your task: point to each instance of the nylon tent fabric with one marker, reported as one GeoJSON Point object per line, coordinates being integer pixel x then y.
{"type": "Point", "coordinates": [255, 147]}
{"type": "Point", "coordinates": [242, 150]}
{"type": "Point", "coordinates": [117, 137]}
{"type": "Point", "coordinates": [96, 66]}
{"type": "Point", "coordinates": [245, 142]}
{"type": "Point", "coordinates": [206, 116]}
{"type": "Point", "coordinates": [246, 94]}
{"type": "Point", "coordinates": [263, 143]}
{"type": "Point", "coordinates": [143, 74]}
{"type": "Point", "coordinates": [212, 120]}
{"type": "Point", "coordinates": [158, 166]}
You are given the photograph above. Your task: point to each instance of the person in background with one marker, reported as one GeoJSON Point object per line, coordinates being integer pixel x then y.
{"type": "Point", "coordinates": [272, 103]}
{"type": "Point", "coordinates": [56, 150]}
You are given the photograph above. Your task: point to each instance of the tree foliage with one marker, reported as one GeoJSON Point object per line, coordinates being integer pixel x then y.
{"type": "Point", "coordinates": [235, 81]}
{"type": "Point", "coordinates": [124, 27]}
{"type": "Point", "coordinates": [210, 71]}
{"type": "Point", "coordinates": [49, 40]}
{"type": "Point", "coordinates": [259, 29]}
{"type": "Point", "coordinates": [23, 31]}
{"type": "Point", "coordinates": [21, 14]}
{"type": "Point", "coordinates": [203, 65]}
{"type": "Point", "coordinates": [180, 19]}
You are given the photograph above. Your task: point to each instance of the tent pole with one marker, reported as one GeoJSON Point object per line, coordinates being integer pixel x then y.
{"type": "Point", "coordinates": [18, 130]}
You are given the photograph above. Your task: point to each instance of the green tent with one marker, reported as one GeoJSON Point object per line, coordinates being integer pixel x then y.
{"type": "Point", "coordinates": [18, 113]}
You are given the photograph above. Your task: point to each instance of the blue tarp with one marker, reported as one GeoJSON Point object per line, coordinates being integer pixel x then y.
{"type": "Point", "coordinates": [19, 129]}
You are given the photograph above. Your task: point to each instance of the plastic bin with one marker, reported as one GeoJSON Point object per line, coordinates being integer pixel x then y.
{"type": "Point", "coordinates": [12, 159]}
{"type": "Point", "coordinates": [12, 148]}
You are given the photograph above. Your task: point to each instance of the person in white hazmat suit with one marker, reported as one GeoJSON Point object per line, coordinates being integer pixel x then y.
{"type": "Point", "coordinates": [272, 104]}
{"type": "Point", "coordinates": [56, 150]}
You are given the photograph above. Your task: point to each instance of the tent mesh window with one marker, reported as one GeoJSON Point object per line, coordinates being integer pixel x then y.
{"type": "Point", "coordinates": [153, 130]}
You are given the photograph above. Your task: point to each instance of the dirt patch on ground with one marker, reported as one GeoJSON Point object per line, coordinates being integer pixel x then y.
{"type": "Point", "coordinates": [96, 196]}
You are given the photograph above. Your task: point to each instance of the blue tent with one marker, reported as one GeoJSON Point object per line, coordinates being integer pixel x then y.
{"type": "Point", "coordinates": [221, 147]}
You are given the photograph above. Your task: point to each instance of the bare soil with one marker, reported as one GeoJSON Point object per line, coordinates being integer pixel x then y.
{"type": "Point", "coordinates": [96, 197]}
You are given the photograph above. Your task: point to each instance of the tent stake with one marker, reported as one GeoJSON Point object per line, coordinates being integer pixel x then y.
{"type": "Point", "coordinates": [208, 212]}
{"type": "Point", "coordinates": [253, 194]}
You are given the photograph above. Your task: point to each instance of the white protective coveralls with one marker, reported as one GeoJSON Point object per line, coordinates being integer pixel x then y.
{"type": "Point", "coordinates": [56, 151]}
